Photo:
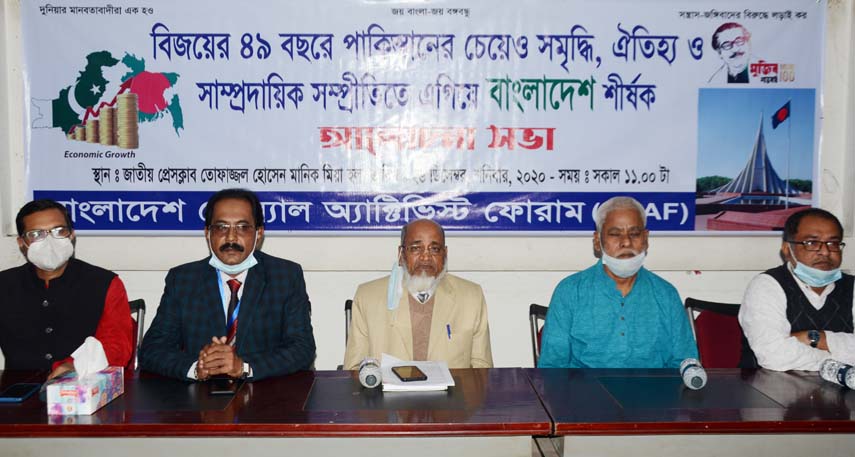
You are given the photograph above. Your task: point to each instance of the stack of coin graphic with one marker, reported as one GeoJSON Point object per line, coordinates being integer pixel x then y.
{"type": "Point", "coordinates": [92, 131]}
{"type": "Point", "coordinates": [107, 126]}
{"type": "Point", "coordinates": [79, 133]}
{"type": "Point", "coordinates": [127, 121]}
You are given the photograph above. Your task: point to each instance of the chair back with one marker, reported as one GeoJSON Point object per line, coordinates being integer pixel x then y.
{"type": "Point", "coordinates": [137, 328]}
{"type": "Point", "coordinates": [348, 316]}
{"type": "Point", "coordinates": [536, 319]}
{"type": "Point", "coordinates": [717, 332]}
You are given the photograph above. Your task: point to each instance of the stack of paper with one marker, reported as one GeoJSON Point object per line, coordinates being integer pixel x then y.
{"type": "Point", "coordinates": [438, 376]}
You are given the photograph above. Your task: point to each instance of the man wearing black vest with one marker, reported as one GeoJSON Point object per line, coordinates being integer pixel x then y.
{"type": "Point", "coordinates": [798, 314]}
{"type": "Point", "coordinates": [52, 303]}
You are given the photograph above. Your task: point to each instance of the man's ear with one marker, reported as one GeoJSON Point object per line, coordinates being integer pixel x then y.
{"type": "Point", "coordinates": [786, 253]}
{"type": "Point", "coordinates": [260, 242]}
{"type": "Point", "coordinates": [597, 245]}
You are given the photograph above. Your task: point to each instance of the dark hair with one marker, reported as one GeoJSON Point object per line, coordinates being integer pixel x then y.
{"type": "Point", "coordinates": [791, 227]}
{"type": "Point", "coordinates": [40, 205]}
{"type": "Point", "coordinates": [722, 28]}
{"type": "Point", "coordinates": [239, 194]}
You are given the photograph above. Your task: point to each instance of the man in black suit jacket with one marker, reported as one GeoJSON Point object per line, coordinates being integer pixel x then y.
{"type": "Point", "coordinates": [240, 312]}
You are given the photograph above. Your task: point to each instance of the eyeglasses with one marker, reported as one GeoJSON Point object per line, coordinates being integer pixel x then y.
{"type": "Point", "coordinates": [816, 245]}
{"type": "Point", "coordinates": [418, 249]}
{"type": "Point", "coordinates": [57, 232]}
{"type": "Point", "coordinates": [222, 229]}
{"type": "Point", "coordinates": [739, 41]}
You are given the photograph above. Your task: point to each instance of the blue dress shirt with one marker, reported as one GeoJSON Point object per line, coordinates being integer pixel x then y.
{"type": "Point", "coordinates": [591, 325]}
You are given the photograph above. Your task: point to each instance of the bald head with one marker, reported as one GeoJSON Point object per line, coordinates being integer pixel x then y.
{"type": "Point", "coordinates": [422, 223]}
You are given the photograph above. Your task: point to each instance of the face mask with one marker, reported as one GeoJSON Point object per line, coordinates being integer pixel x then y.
{"type": "Point", "coordinates": [814, 277]}
{"type": "Point", "coordinates": [246, 264]}
{"type": "Point", "coordinates": [624, 268]}
{"type": "Point", "coordinates": [50, 253]}
{"type": "Point", "coordinates": [393, 293]}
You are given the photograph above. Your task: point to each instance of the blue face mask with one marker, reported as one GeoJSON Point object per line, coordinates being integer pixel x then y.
{"type": "Point", "coordinates": [814, 277]}
{"type": "Point", "coordinates": [393, 293]}
{"type": "Point", "coordinates": [247, 263]}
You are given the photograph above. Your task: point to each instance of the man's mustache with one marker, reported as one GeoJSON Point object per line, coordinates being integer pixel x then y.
{"type": "Point", "coordinates": [226, 246]}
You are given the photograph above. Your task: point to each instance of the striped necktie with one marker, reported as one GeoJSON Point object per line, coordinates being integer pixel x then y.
{"type": "Point", "coordinates": [234, 286]}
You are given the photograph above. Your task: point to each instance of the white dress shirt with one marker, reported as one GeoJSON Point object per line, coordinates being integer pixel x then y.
{"type": "Point", "coordinates": [226, 295]}
{"type": "Point", "coordinates": [763, 317]}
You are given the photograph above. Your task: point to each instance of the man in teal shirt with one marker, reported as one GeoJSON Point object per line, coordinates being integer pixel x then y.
{"type": "Point", "coordinates": [617, 314]}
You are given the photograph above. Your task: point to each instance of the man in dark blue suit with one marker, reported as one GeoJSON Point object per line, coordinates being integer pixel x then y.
{"type": "Point", "coordinates": [240, 312]}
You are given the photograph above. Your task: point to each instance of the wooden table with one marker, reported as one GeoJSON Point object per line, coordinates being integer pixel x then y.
{"type": "Point", "coordinates": [739, 412]}
{"type": "Point", "coordinates": [488, 412]}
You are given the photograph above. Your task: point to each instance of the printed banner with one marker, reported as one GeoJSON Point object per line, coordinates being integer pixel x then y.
{"type": "Point", "coordinates": [357, 116]}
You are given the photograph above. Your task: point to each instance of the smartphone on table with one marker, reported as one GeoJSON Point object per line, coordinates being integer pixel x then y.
{"type": "Point", "coordinates": [223, 385]}
{"type": "Point", "coordinates": [17, 393]}
{"type": "Point", "coordinates": [408, 373]}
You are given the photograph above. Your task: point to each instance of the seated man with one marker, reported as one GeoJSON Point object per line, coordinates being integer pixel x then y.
{"type": "Point", "coordinates": [240, 312]}
{"type": "Point", "coordinates": [422, 312]}
{"type": "Point", "coordinates": [52, 303]}
{"type": "Point", "coordinates": [617, 314]}
{"type": "Point", "coordinates": [800, 313]}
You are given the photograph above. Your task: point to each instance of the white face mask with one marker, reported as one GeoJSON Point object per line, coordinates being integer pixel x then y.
{"type": "Point", "coordinates": [247, 263]}
{"type": "Point", "coordinates": [623, 268]}
{"type": "Point", "coordinates": [50, 253]}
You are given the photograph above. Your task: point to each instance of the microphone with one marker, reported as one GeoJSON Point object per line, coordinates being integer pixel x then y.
{"type": "Point", "coordinates": [838, 372]}
{"type": "Point", "coordinates": [369, 373]}
{"type": "Point", "coordinates": [694, 375]}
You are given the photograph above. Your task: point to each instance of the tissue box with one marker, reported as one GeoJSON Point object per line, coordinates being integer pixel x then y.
{"type": "Point", "coordinates": [69, 394]}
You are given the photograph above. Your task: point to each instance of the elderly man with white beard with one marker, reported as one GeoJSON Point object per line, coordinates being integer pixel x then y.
{"type": "Point", "coordinates": [617, 314]}
{"type": "Point", "coordinates": [419, 311]}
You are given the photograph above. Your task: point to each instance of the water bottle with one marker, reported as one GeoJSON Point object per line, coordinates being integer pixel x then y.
{"type": "Point", "coordinates": [369, 373]}
{"type": "Point", "coordinates": [694, 375]}
{"type": "Point", "coordinates": [838, 372]}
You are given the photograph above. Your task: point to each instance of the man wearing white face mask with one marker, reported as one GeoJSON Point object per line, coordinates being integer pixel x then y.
{"type": "Point", "coordinates": [51, 304]}
{"type": "Point", "coordinates": [239, 312]}
{"type": "Point", "coordinates": [617, 314]}
{"type": "Point", "coordinates": [800, 313]}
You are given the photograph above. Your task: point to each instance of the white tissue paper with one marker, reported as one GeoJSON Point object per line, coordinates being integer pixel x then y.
{"type": "Point", "coordinates": [89, 357]}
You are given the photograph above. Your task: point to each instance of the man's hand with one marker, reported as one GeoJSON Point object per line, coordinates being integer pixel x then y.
{"type": "Point", "coordinates": [219, 358]}
{"type": "Point", "coordinates": [61, 370]}
{"type": "Point", "coordinates": [803, 338]}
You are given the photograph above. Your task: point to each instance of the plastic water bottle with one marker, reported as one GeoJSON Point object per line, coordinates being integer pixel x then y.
{"type": "Point", "coordinates": [369, 373]}
{"type": "Point", "coordinates": [838, 372]}
{"type": "Point", "coordinates": [694, 375]}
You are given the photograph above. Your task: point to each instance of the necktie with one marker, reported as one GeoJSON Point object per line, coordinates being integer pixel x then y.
{"type": "Point", "coordinates": [234, 286]}
{"type": "Point", "coordinates": [423, 297]}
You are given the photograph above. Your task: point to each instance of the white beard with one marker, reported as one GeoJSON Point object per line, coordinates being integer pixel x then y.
{"type": "Point", "coordinates": [423, 282]}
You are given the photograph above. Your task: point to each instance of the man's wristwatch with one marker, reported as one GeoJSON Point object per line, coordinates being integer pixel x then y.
{"type": "Point", "coordinates": [813, 337]}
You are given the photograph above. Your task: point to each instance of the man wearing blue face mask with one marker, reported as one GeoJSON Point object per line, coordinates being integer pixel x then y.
{"type": "Point", "coordinates": [800, 313]}
{"type": "Point", "coordinates": [617, 314]}
{"type": "Point", "coordinates": [239, 312]}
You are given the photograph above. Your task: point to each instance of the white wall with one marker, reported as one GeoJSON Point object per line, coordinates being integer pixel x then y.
{"type": "Point", "coordinates": [514, 271]}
